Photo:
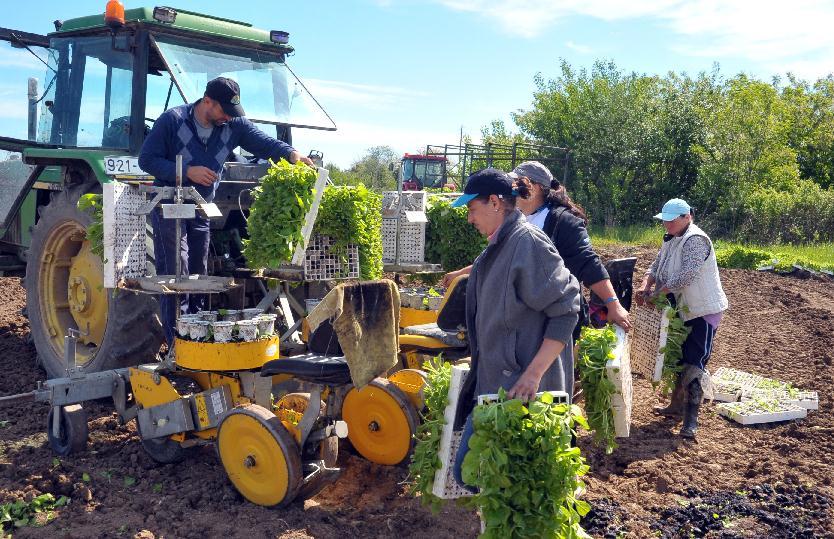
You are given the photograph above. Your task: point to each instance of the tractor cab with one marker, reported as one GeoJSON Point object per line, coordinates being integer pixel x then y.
{"type": "Point", "coordinates": [96, 86]}
{"type": "Point", "coordinates": [423, 171]}
{"type": "Point", "coordinates": [89, 93]}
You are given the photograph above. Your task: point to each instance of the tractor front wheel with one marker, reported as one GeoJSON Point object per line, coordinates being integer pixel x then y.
{"type": "Point", "coordinates": [64, 289]}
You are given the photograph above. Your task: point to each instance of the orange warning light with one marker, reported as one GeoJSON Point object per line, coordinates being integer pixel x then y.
{"type": "Point", "coordinates": [114, 14]}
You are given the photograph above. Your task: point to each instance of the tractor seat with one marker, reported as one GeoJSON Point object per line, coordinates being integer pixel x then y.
{"type": "Point", "coordinates": [449, 338]}
{"type": "Point", "coordinates": [310, 368]}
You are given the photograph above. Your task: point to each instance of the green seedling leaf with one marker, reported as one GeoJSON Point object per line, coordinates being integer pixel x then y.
{"type": "Point", "coordinates": [129, 481]}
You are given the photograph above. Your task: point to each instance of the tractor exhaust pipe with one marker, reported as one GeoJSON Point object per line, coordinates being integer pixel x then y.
{"type": "Point", "coordinates": [32, 99]}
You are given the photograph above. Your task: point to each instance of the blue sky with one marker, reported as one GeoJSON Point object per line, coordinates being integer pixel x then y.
{"type": "Point", "coordinates": [407, 73]}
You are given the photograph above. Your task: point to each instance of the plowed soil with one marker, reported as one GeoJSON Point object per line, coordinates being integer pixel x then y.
{"type": "Point", "coordinates": [773, 481]}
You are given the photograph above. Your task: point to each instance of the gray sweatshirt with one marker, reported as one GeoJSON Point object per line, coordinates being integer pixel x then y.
{"type": "Point", "coordinates": [519, 292]}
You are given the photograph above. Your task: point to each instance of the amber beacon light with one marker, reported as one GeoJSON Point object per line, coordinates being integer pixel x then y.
{"type": "Point", "coordinates": [114, 14]}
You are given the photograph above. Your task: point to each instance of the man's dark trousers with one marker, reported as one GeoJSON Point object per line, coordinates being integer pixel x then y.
{"type": "Point", "coordinates": [194, 248]}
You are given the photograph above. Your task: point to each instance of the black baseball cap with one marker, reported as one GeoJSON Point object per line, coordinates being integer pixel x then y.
{"type": "Point", "coordinates": [226, 92]}
{"type": "Point", "coordinates": [489, 181]}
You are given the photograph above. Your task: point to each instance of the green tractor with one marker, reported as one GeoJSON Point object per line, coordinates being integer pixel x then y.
{"type": "Point", "coordinates": [106, 80]}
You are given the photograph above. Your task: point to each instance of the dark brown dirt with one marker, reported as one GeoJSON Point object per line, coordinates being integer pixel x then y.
{"type": "Point", "coordinates": [777, 326]}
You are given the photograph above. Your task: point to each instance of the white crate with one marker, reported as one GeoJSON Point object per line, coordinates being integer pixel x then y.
{"type": "Point", "coordinates": [754, 412]}
{"type": "Point", "coordinates": [411, 201]}
{"type": "Point", "coordinates": [618, 371]}
{"type": "Point", "coordinates": [445, 485]}
{"type": "Point", "coordinates": [648, 337]}
{"type": "Point", "coordinates": [321, 263]}
{"type": "Point", "coordinates": [412, 242]}
{"type": "Point", "coordinates": [412, 236]}
{"type": "Point", "coordinates": [125, 246]}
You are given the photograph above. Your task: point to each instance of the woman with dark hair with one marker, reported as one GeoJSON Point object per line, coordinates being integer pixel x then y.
{"type": "Point", "coordinates": [551, 209]}
{"type": "Point", "coordinates": [521, 302]}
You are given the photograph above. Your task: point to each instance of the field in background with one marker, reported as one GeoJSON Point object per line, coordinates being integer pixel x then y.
{"type": "Point", "coordinates": [817, 253]}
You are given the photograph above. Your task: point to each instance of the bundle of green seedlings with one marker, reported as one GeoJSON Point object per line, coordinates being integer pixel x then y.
{"type": "Point", "coordinates": [596, 348]}
{"type": "Point", "coordinates": [528, 475]}
{"type": "Point", "coordinates": [92, 204]}
{"type": "Point", "coordinates": [276, 217]}
{"type": "Point", "coordinates": [425, 460]}
{"type": "Point", "coordinates": [352, 214]}
{"type": "Point", "coordinates": [672, 351]}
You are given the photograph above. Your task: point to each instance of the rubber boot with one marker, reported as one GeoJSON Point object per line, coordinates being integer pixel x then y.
{"type": "Point", "coordinates": [694, 396]}
{"type": "Point", "coordinates": [675, 408]}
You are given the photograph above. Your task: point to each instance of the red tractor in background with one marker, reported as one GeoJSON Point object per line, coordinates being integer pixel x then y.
{"type": "Point", "coordinates": [424, 172]}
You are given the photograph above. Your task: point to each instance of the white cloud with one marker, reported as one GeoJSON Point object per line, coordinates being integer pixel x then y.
{"type": "Point", "coordinates": [370, 96]}
{"type": "Point", "coordinates": [581, 49]}
{"type": "Point", "coordinates": [21, 58]}
{"type": "Point", "coordinates": [349, 143]}
{"type": "Point", "coordinates": [775, 35]}
{"type": "Point", "coordinates": [529, 18]}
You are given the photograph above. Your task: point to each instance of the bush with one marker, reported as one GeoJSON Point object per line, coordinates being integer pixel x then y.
{"type": "Point", "coordinates": [450, 240]}
{"type": "Point", "coordinates": [738, 257]}
{"type": "Point", "coordinates": [353, 214]}
{"type": "Point", "coordinates": [742, 258]}
{"type": "Point", "coordinates": [802, 214]}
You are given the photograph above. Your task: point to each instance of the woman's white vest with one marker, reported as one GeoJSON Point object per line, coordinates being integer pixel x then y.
{"type": "Point", "coordinates": [704, 295]}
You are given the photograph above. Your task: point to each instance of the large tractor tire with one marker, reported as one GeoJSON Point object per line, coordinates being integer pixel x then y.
{"type": "Point", "coordinates": [64, 289]}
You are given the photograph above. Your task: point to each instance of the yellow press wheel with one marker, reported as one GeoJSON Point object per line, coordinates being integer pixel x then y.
{"type": "Point", "coordinates": [290, 408]}
{"type": "Point", "coordinates": [260, 457]}
{"type": "Point", "coordinates": [411, 382]}
{"type": "Point", "coordinates": [381, 422]}
{"type": "Point", "coordinates": [64, 289]}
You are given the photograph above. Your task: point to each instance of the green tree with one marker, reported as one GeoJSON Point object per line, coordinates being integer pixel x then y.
{"type": "Point", "coordinates": [374, 168]}
{"type": "Point", "coordinates": [746, 147]}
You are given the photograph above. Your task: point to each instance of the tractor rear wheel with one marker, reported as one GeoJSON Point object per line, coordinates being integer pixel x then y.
{"type": "Point", "coordinates": [64, 289]}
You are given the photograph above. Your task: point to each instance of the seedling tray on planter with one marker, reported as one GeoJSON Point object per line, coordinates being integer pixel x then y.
{"type": "Point", "coordinates": [758, 411]}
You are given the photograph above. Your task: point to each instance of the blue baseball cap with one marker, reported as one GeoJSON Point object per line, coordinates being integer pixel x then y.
{"type": "Point", "coordinates": [673, 209]}
{"type": "Point", "coordinates": [489, 181]}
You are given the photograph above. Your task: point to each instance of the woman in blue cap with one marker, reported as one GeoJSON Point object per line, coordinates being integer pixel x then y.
{"type": "Point", "coordinates": [521, 302]}
{"type": "Point", "coordinates": [686, 271]}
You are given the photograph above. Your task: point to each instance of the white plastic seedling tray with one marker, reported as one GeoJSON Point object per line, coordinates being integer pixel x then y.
{"type": "Point", "coordinates": [804, 399]}
{"type": "Point", "coordinates": [732, 385]}
{"type": "Point", "coordinates": [758, 411]}
{"type": "Point", "coordinates": [722, 392]}
{"type": "Point", "coordinates": [445, 485]}
{"type": "Point", "coordinates": [650, 329]}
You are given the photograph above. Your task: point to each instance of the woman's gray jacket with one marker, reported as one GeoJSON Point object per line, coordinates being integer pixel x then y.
{"type": "Point", "coordinates": [518, 293]}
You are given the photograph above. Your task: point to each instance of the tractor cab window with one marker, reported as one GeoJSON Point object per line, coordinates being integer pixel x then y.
{"type": "Point", "coordinates": [270, 91]}
{"type": "Point", "coordinates": [428, 173]}
{"type": "Point", "coordinates": [433, 173]}
{"type": "Point", "coordinates": [88, 96]}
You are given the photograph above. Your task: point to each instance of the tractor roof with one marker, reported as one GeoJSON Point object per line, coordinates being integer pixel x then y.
{"type": "Point", "coordinates": [423, 157]}
{"type": "Point", "coordinates": [186, 20]}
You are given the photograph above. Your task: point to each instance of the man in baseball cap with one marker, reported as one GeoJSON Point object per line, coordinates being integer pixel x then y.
{"type": "Point", "coordinates": [489, 181]}
{"type": "Point", "coordinates": [226, 93]}
{"type": "Point", "coordinates": [205, 133]}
